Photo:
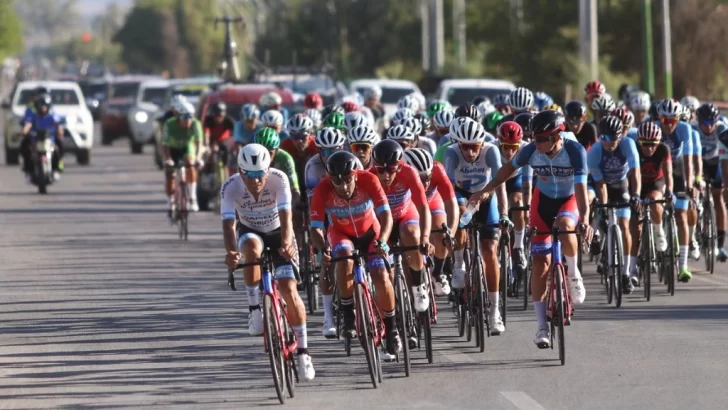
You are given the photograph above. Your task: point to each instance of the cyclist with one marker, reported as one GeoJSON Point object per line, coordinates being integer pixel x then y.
{"type": "Point", "coordinates": [524, 120]}
{"type": "Point", "coordinates": [273, 101]}
{"type": "Point", "coordinates": [372, 100]}
{"type": "Point", "coordinates": [656, 173]}
{"type": "Point", "coordinates": [314, 115]}
{"type": "Point", "coordinates": [301, 145]}
{"type": "Point", "coordinates": [586, 132]}
{"type": "Point", "coordinates": [500, 102]}
{"type": "Point", "coordinates": [697, 159]}
{"type": "Point", "coordinates": [409, 102]}
{"type": "Point", "coordinates": [355, 205]}
{"type": "Point", "coordinates": [361, 140]}
{"type": "Point", "coordinates": [425, 124]}
{"type": "Point", "coordinates": [182, 141]}
{"type": "Point", "coordinates": [174, 102]}
{"type": "Point", "coordinates": [518, 187]}
{"type": "Point", "coordinates": [335, 120]}
{"type": "Point", "coordinates": [592, 90]}
{"type": "Point", "coordinates": [218, 127]}
{"type": "Point", "coordinates": [412, 137]}
{"type": "Point", "coordinates": [349, 106]}
{"type": "Point", "coordinates": [559, 199]}
{"type": "Point", "coordinates": [313, 100]}
{"type": "Point", "coordinates": [328, 141]}
{"type": "Point", "coordinates": [553, 107]}
{"type": "Point", "coordinates": [614, 164]}
{"type": "Point", "coordinates": [444, 207]}
{"type": "Point", "coordinates": [274, 119]}
{"type": "Point", "coordinates": [627, 118]}
{"type": "Point", "coordinates": [42, 118]}
{"type": "Point", "coordinates": [470, 164]}
{"type": "Point", "coordinates": [354, 119]}
{"type": "Point", "coordinates": [602, 106]}
{"type": "Point", "coordinates": [692, 104]}
{"type": "Point", "coordinates": [435, 107]}
{"type": "Point", "coordinates": [640, 105]}
{"type": "Point", "coordinates": [492, 120]}
{"type": "Point", "coordinates": [520, 100]}
{"type": "Point", "coordinates": [400, 115]}
{"type": "Point", "coordinates": [248, 125]}
{"type": "Point", "coordinates": [261, 198]}
{"type": "Point", "coordinates": [410, 213]}
{"type": "Point", "coordinates": [709, 128]}
{"type": "Point", "coordinates": [678, 137]}
{"type": "Point", "coordinates": [541, 100]}
{"type": "Point", "coordinates": [441, 123]}
{"type": "Point", "coordinates": [280, 159]}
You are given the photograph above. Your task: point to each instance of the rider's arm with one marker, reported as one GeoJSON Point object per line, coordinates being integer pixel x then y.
{"type": "Point", "coordinates": [577, 156]}
{"type": "Point", "coordinates": [227, 210]}
{"type": "Point", "coordinates": [667, 166]}
{"type": "Point", "coordinates": [283, 201]}
{"type": "Point", "coordinates": [419, 198]}
{"type": "Point", "coordinates": [633, 165]}
{"type": "Point", "coordinates": [165, 141]}
{"type": "Point", "coordinates": [290, 170]}
{"type": "Point", "coordinates": [206, 131]}
{"type": "Point", "coordinates": [507, 170]}
{"type": "Point", "coordinates": [697, 154]}
{"type": "Point", "coordinates": [198, 138]}
{"type": "Point", "coordinates": [687, 150]}
{"type": "Point", "coordinates": [379, 200]}
{"type": "Point", "coordinates": [526, 182]}
{"type": "Point", "coordinates": [493, 161]}
{"type": "Point", "coordinates": [317, 213]}
{"type": "Point", "coordinates": [447, 193]}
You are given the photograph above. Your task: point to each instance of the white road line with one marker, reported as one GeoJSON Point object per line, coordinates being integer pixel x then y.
{"type": "Point", "coordinates": [522, 400]}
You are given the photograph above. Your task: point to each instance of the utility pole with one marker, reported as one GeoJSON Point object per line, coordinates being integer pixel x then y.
{"type": "Point", "coordinates": [648, 58]}
{"type": "Point", "coordinates": [458, 26]}
{"type": "Point", "coordinates": [437, 36]}
{"type": "Point", "coordinates": [667, 47]}
{"type": "Point", "coordinates": [425, 34]}
{"type": "Point", "coordinates": [588, 37]}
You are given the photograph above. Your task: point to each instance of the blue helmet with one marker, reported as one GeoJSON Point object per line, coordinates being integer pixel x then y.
{"type": "Point", "coordinates": [541, 100]}
{"type": "Point", "coordinates": [249, 112]}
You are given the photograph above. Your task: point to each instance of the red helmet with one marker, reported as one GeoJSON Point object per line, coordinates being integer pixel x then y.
{"type": "Point", "coordinates": [313, 100]}
{"type": "Point", "coordinates": [350, 106]}
{"type": "Point", "coordinates": [624, 114]}
{"type": "Point", "coordinates": [594, 88]}
{"type": "Point", "coordinates": [649, 131]}
{"type": "Point", "coordinates": [510, 132]}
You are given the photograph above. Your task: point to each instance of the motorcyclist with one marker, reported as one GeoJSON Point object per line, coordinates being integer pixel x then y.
{"type": "Point", "coordinates": [42, 119]}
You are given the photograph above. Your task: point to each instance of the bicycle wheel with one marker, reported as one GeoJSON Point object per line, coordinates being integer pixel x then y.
{"type": "Point", "coordinates": [709, 235]}
{"type": "Point", "coordinates": [275, 347]}
{"type": "Point", "coordinates": [618, 265]}
{"type": "Point", "coordinates": [526, 279]}
{"type": "Point", "coordinates": [426, 327]}
{"type": "Point", "coordinates": [558, 321]}
{"type": "Point", "coordinates": [505, 276]}
{"type": "Point", "coordinates": [482, 328]}
{"type": "Point", "coordinates": [403, 322]}
{"type": "Point", "coordinates": [290, 363]}
{"type": "Point", "coordinates": [308, 275]}
{"type": "Point", "coordinates": [366, 331]}
{"type": "Point", "coordinates": [647, 258]}
{"type": "Point", "coordinates": [671, 268]}
{"type": "Point", "coordinates": [606, 274]}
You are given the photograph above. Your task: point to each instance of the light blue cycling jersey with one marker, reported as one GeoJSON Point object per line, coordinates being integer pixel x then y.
{"type": "Point", "coordinates": [242, 135]}
{"type": "Point", "coordinates": [633, 134]}
{"type": "Point", "coordinates": [697, 144]}
{"type": "Point", "coordinates": [612, 167]}
{"type": "Point", "coordinates": [709, 142]}
{"type": "Point", "coordinates": [555, 177]}
{"type": "Point", "coordinates": [472, 177]}
{"type": "Point", "coordinates": [680, 143]}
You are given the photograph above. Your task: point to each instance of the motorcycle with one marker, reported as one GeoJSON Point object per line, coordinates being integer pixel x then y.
{"type": "Point", "coordinates": [42, 156]}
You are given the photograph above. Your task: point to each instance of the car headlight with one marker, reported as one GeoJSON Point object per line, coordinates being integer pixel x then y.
{"type": "Point", "coordinates": [141, 116]}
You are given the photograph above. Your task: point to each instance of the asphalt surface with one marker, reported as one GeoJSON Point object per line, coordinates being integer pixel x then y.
{"type": "Point", "coordinates": [102, 306]}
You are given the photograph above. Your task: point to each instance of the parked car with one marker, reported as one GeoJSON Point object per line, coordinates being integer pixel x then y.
{"type": "Point", "coordinates": [462, 90]}
{"type": "Point", "coordinates": [68, 103]}
{"type": "Point", "coordinates": [122, 97]}
{"type": "Point", "coordinates": [392, 91]}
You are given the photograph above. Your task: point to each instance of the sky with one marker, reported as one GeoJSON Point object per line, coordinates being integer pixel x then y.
{"type": "Point", "coordinates": [91, 8]}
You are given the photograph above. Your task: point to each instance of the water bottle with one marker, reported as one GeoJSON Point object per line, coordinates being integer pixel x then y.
{"type": "Point", "coordinates": [468, 214]}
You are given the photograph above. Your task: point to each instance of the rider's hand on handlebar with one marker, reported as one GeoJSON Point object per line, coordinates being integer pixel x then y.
{"type": "Point", "coordinates": [382, 248]}
{"type": "Point", "coordinates": [587, 231]}
{"type": "Point", "coordinates": [426, 247]}
{"type": "Point", "coordinates": [231, 259]}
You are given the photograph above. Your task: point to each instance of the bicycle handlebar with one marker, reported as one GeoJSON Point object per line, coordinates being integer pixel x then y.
{"type": "Point", "coordinates": [612, 206]}
{"type": "Point", "coordinates": [519, 208]}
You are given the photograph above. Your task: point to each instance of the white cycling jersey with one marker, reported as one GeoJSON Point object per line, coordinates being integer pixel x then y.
{"type": "Point", "coordinates": [427, 144]}
{"type": "Point", "coordinates": [472, 176]}
{"type": "Point", "coordinates": [260, 215]}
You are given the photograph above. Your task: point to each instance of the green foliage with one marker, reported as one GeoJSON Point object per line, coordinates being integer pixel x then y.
{"type": "Point", "coordinates": [11, 30]}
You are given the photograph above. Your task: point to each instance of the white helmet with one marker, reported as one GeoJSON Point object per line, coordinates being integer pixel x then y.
{"type": "Point", "coordinates": [300, 123]}
{"type": "Point", "coordinates": [373, 93]}
{"type": "Point", "coordinates": [185, 108]}
{"type": "Point", "coordinates": [314, 115]}
{"type": "Point", "coordinates": [521, 99]}
{"type": "Point", "coordinates": [272, 118]}
{"type": "Point", "coordinates": [355, 119]}
{"type": "Point", "coordinates": [457, 122]}
{"type": "Point", "coordinates": [254, 157]}
{"type": "Point", "coordinates": [329, 137]}
{"type": "Point", "coordinates": [270, 99]}
{"type": "Point", "coordinates": [401, 114]}
{"type": "Point", "coordinates": [419, 159]}
{"type": "Point", "coordinates": [690, 102]}
{"type": "Point", "coordinates": [414, 125]}
{"type": "Point", "coordinates": [640, 101]}
{"type": "Point", "coordinates": [603, 103]}
{"type": "Point", "coordinates": [669, 108]}
{"type": "Point", "coordinates": [363, 133]}
{"type": "Point", "coordinates": [485, 108]}
{"type": "Point", "coordinates": [471, 132]}
{"type": "Point", "coordinates": [421, 100]}
{"type": "Point", "coordinates": [443, 119]}
{"type": "Point", "coordinates": [409, 102]}
{"type": "Point", "coordinates": [400, 133]}
{"type": "Point", "coordinates": [176, 100]}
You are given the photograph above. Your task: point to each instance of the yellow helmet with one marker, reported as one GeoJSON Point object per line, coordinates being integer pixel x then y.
{"type": "Point", "coordinates": [553, 107]}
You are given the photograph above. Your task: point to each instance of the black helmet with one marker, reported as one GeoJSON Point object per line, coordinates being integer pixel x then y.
{"type": "Point", "coordinates": [387, 152]}
{"type": "Point", "coordinates": [332, 108]}
{"type": "Point", "coordinates": [707, 112]}
{"type": "Point", "coordinates": [653, 109]}
{"type": "Point", "coordinates": [425, 121]}
{"type": "Point", "coordinates": [575, 109]}
{"type": "Point", "coordinates": [547, 122]}
{"type": "Point", "coordinates": [43, 100]}
{"type": "Point", "coordinates": [611, 125]}
{"type": "Point", "coordinates": [341, 164]}
{"type": "Point", "coordinates": [468, 111]}
{"type": "Point", "coordinates": [219, 108]}
{"type": "Point", "coordinates": [524, 120]}
{"type": "Point", "coordinates": [479, 99]}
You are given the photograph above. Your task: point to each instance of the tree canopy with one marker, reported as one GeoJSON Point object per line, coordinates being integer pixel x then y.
{"type": "Point", "coordinates": [11, 30]}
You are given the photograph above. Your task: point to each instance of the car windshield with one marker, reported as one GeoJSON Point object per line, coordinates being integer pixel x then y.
{"type": "Point", "coordinates": [459, 96]}
{"type": "Point", "coordinates": [124, 90]}
{"type": "Point", "coordinates": [154, 95]}
{"type": "Point", "coordinates": [62, 96]}
{"type": "Point", "coordinates": [389, 95]}
{"type": "Point", "coordinates": [95, 91]}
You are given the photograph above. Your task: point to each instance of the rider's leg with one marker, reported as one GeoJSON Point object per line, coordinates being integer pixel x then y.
{"type": "Point", "coordinates": [692, 219]}
{"type": "Point", "coordinates": [720, 215]}
{"type": "Point", "coordinates": [441, 286]}
{"type": "Point", "coordinates": [251, 247]}
{"type": "Point", "coordinates": [385, 301]}
{"type": "Point", "coordinates": [191, 178]}
{"type": "Point", "coordinates": [409, 234]}
{"type": "Point", "coordinates": [681, 219]}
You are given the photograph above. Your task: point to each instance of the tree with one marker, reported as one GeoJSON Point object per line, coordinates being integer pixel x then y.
{"type": "Point", "coordinates": [11, 30]}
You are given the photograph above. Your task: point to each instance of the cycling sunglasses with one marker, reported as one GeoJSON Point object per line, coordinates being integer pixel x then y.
{"type": "Point", "coordinates": [649, 143]}
{"type": "Point", "coordinates": [608, 138]}
{"type": "Point", "coordinates": [330, 151]}
{"type": "Point", "coordinates": [470, 147]}
{"type": "Point", "coordinates": [254, 174]}
{"type": "Point", "coordinates": [185, 117]}
{"type": "Point", "coordinates": [668, 121]}
{"type": "Point", "coordinates": [708, 123]}
{"type": "Point", "coordinates": [299, 136]}
{"type": "Point", "coordinates": [338, 181]}
{"type": "Point", "coordinates": [360, 146]}
{"type": "Point", "coordinates": [510, 146]}
{"type": "Point", "coordinates": [386, 169]}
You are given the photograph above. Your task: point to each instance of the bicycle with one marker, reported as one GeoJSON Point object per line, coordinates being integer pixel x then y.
{"type": "Point", "coordinates": [558, 308]}
{"type": "Point", "coordinates": [279, 340]}
{"type": "Point", "coordinates": [369, 321]}
{"type": "Point", "coordinates": [475, 293]}
{"type": "Point", "coordinates": [181, 213]}
{"type": "Point", "coordinates": [647, 256]}
{"type": "Point", "coordinates": [667, 265]}
{"type": "Point", "coordinates": [514, 276]}
{"type": "Point", "coordinates": [309, 265]}
{"type": "Point", "coordinates": [706, 229]}
{"type": "Point", "coordinates": [611, 265]}
{"type": "Point", "coordinates": [404, 310]}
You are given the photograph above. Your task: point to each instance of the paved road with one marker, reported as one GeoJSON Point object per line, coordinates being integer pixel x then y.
{"type": "Point", "coordinates": [101, 306]}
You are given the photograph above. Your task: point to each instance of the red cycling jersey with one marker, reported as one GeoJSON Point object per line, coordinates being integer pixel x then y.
{"type": "Point", "coordinates": [219, 131]}
{"type": "Point", "coordinates": [352, 217]}
{"type": "Point", "coordinates": [441, 183]}
{"type": "Point", "coordinates": [405, 194]}
{"type": "Point", "coordinates": [289, 146]}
